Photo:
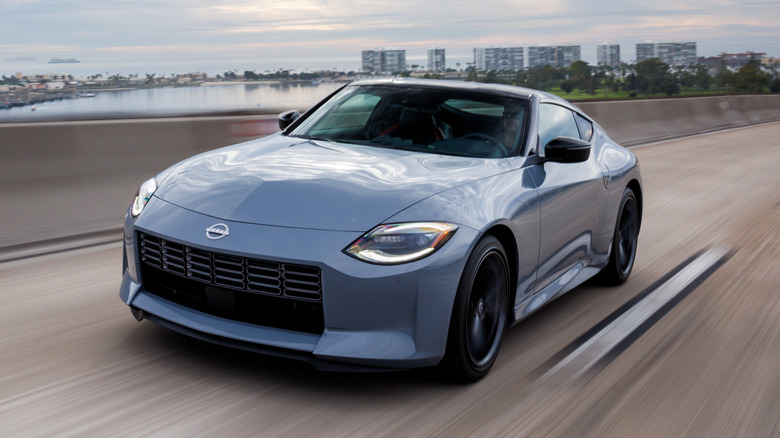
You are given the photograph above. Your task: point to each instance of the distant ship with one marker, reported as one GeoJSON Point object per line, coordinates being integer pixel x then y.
{"type": "Point", "coordinates": [64, 61]}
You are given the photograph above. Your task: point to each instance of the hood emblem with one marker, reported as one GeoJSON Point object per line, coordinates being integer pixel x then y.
{"type": "Point", "coordinates": [217, 231]}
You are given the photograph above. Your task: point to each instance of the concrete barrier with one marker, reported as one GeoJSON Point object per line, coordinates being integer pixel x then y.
{"type": "Point", "coordinates": [640, 121]}
{"type": "Point", "coordinates": [61, 179]}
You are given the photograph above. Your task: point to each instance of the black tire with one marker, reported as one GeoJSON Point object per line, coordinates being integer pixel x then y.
{"type": "Point", "coordinates": [479, 314]}
{"type": "Point", "coordinates": [624, 241]}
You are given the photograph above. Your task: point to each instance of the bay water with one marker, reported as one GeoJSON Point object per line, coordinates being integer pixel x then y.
{"type": "Point", "coordinates": [183, 100]}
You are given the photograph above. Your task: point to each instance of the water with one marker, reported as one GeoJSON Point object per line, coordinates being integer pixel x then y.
{"type": "Point", "coordinates": [211, 63]}
{"type": "Point", "coordinates": [177, 100]}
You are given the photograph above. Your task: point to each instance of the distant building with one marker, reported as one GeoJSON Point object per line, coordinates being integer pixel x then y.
{"type": "Point", "coordinates": [371, 61]}
{"type": "Point", "coordinates": [714, 64]}
{"type": "Point", "coordinates": [192, 77]}
{"type": "Point", "coordinates": [383, 61]}
{"type": "Point", "coordinates": [556, 56]}
{"type": "Point", "coordinates": [436, 60]}
{"type": "Point", "coordinates": [646, 51]}
{"type": "Point", "coordinates": [732, 61]}
{"type": "Point", "coordinates": [499, 58]}
{"type": "Point", "coordinates": [539, 56]}
{"type": "Point", "coordinates": [770, 61]}
{"type": "Point", "coordinates": [393, 61]}
{"type": "Point", "coordinates": [37, 77]}
{"type": "Point", "coordinates": [608, 54]}
{"type": "Point", "coordinates": [737, 60]}
{"type": "Point", "coordinates": [566, 55]}
{"type": "Point", "coordinates": [670, 53]}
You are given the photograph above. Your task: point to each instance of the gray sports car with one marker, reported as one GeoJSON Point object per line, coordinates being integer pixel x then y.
{"type": "Point", "coordinates": [396, 224]}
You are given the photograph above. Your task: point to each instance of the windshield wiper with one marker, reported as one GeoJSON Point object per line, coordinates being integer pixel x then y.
{"type": "Point", "coordinates": [332, 140]}
{"type": "Point", "coordinates": [309, 137]}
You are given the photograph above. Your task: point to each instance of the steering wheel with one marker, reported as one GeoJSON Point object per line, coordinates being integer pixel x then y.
{"type": "Point", "coordinates": [488, 139]}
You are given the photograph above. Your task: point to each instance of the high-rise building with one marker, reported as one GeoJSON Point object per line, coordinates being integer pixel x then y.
{"type": "Point", "coordinates": [608, 54]}
{"type": "Point", "coordinates": [436, 60]}
{"type": "Point", "coordinates": [566, 55]}
{"type": "Point", "coordinates": [371, 61]}
{"type": "Point", "coordinates": [383, 61]}
{"type": "Point", "coordinates": [499, 58]}
{"type": "Point", "coordinates": [556, 56]}
{"type": "Point", "coordinates": [646, 51]}
{"type": "Point", "coordinates": [670, 53]}
{"type": "Point", "coordinates": [687, 53]}
{"type": "Point", "coordinates": [393, 61]}
{"type": "Point", "coordinates": [539, 56]}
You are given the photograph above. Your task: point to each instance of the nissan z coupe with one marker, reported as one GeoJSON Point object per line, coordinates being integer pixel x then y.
{"type": "Point", "coordinates": [396, 224]}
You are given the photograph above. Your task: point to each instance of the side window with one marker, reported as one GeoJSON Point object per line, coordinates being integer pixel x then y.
{"type": "Point", "coordinates": [556, 121]}
{"type": "Point", "coordinates": [586, 128]}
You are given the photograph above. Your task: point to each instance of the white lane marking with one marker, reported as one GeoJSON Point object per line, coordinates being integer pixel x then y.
{"type": "Point", "coordinates": [594, 349]}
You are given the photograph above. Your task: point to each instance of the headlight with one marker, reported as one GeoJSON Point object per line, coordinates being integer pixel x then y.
{"type": "Point", "coordinates": [400, 243]}
{"type": "Point", "coordinates": [142, 196]}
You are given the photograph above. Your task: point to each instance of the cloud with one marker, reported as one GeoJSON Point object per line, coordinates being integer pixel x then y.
{"type": "Point", "coordinates": [309, 29]}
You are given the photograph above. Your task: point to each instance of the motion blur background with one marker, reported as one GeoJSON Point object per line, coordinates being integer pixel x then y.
{"type": "Point", "coordinates": [75, 363]}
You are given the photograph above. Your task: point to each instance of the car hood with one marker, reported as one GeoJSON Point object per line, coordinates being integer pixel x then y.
{"type": "Point", "coordinates": [293, 182]}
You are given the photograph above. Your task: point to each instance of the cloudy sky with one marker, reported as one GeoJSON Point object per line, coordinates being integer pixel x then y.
{"type": "Point", "coordinates": [219, 35]}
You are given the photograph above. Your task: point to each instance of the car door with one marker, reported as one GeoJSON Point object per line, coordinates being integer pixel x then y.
{"type": "Point", "coordinates": [572, 198]}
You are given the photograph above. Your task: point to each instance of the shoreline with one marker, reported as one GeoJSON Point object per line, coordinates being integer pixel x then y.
{"type": "Point", "coordinates": [218, 83]}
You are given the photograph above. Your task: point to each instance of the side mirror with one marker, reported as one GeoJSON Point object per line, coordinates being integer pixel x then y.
{"type": "Point", "coordinates": [567, 150]}
{"type": "Point", "coordinates": [286, 118]}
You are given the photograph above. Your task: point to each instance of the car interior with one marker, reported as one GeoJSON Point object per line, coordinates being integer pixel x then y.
{"type": "Point", "coordinates": [426, 121]}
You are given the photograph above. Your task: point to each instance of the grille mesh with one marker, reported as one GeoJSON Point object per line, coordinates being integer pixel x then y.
{"type": "Point", "coordinates": [230, 271]}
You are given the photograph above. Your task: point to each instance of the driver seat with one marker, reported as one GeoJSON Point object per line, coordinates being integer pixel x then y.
{"type": "Point", "coordinates": [419, 126]}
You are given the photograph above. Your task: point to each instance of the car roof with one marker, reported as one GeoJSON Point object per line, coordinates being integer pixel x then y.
{"type": "Point", "coordinates": [500, 89]}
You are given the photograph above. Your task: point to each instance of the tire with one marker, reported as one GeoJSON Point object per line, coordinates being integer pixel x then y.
{"type": "Point", "coordinates": [479, 314]}
{"type": "Point", "coordinates": [624, 242]}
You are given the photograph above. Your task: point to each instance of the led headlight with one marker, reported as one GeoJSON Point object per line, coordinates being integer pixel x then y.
{"type": "Point", "coordinates": [400, 243]}
{"type": "Point", "coordinates": [142, 196]}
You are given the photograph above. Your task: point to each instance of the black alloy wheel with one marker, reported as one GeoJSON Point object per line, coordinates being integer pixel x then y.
{"type": "Point", "coordinates": [480, 313]}
{"type": "Point", "coordinates": [624, 241]}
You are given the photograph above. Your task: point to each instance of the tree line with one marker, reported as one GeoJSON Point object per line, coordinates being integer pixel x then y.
{"type": "Point", "coordinates": [649, 77]}
{"type": "Point", "coordinates": [283, 75]}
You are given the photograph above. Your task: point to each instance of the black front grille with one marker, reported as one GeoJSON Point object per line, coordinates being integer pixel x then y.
{"type": "Point", "coordinates": [262, 292]}
{"type": "Point", "coordinates": [235, 272]}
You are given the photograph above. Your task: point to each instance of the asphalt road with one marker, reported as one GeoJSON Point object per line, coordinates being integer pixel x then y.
{"type": "Point", "coordinates": [73, 361]}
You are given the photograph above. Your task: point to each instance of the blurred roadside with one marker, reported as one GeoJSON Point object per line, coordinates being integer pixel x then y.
{"type": "Point", "coordinates": [60, 180]}
{"type": "Point", "coordinates": [65, 179]}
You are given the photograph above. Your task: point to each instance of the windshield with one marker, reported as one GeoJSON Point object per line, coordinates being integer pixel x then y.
{"type": "Point", "coordinates": [425, 119]}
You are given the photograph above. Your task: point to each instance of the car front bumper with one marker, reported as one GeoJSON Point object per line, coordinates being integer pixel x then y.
{"type": "Point", "coordinates": [374, 316]}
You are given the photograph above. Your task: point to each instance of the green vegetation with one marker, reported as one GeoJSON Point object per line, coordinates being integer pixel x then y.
{"type": "Point", "coordinates": [10, 80]}
{"type": "Point", "coordinates": [283, 75]}
{"type": "Point", "coordinates": [646, 79]}
{"type": "Point", "coordinates": [607, 94]}
{"type": "Point", "coordinates": [650, 78]}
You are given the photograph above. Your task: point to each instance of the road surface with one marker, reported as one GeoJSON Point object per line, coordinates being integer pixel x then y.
{"type": "Point", "coordinates": [73, 361]}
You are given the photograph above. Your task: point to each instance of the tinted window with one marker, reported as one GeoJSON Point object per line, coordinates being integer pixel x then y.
{"type": "Point", "coordinates": [352, 113]}
{"type": "Point", "coordinates": [439, 120]}
{"type": "Point", "coordinates": [586, 128]}
{"type": "Point", "coordinates": [556, 121]}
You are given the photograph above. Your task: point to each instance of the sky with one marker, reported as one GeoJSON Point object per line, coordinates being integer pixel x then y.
{"type": "Point", "coordinates": [178, 36]}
